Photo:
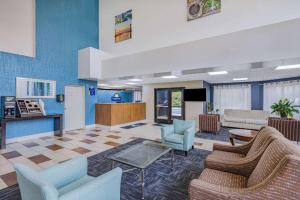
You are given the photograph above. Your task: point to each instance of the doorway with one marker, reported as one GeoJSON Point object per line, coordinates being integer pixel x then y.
{"type": "Point", "coordinates": [168, 105]}
{"type": "Point", "coordinates": [74, 107]}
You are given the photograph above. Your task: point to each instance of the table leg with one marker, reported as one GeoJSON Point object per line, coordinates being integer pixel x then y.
{"type": "Point", "coordinates": [143, 183]}
{"type": "Point", "coordinates": [231, 140]}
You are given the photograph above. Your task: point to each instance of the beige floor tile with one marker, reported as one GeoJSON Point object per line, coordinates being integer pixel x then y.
{"type": "Point", "coordinates": [7, 168]}
{"type": "Point", "coordinates": [2, 184]}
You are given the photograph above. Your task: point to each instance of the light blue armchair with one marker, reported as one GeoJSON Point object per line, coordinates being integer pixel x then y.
{"type": "Point", "coordinates": [68, 181]}
{"type": "Point", "coordinates": [180, 135]}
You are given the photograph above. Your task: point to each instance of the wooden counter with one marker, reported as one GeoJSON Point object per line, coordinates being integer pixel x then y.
{"type": "Point", "coordinates": [119, 113]}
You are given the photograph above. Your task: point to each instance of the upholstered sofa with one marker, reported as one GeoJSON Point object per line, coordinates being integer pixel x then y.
{"type": "Point", "coordinates": [274, 176]}
{"type": "Point", "coordinates": [248, 119]}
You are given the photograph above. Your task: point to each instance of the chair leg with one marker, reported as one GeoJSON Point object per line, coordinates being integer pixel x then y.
{"type": "Point", "coordinates": [185, 153]}
{"type": "Point", "coordinates": [193, 147]}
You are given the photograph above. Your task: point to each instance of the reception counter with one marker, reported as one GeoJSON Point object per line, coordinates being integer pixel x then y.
{"type": "Point", "coordinates": [119, 113]}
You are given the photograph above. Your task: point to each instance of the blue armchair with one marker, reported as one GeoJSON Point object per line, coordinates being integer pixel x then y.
{"type": "Point", "coordinates": [68, 181]}
{"type": "Point", "coordinates": [180, 135]}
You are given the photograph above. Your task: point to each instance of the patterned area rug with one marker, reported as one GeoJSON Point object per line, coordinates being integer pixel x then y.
{"type": "Point", "coordinates": [161, 182]}
{"type": "Point", "coordinates": [222, 135]}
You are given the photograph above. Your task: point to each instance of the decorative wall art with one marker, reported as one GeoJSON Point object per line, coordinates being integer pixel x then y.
{"type": "Point", "coordinates": [35, 88]}
{"type": "Point", "coordinates": [123, 26]}
{"type": "Point", "coordinates": [202, 8]}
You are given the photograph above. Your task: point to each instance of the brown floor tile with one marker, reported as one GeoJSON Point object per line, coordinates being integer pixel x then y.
{"type": "Point", "coordinates": [92, 135]}
{"type": "Point", "coordinates": [114, 144]}
{"type": "Point", "coordinates": [12, 154]}
{"type": "Point", "coordinates": [81, 150]}
{"type": "Point", "coordinates": [9, 179]}
{"type": "Point", "coordinates": [115, 131]}
{"type": "Point", "coordinates": [46, 138]}
{"type": "Point", "coordinates": [113, 136]}
{"type": "Point", "coordinates": [39, 159]}
{"type": "Point", "coordinates": [30, 144]}
{"type": "Point", "coordinates": [87, 141]}
{"type": "Point", "coordinates": [54, 147]}
{"type": "Point", "coordinates": [96, 130]}
{"type": "Point", "coordinates": [64, 139]}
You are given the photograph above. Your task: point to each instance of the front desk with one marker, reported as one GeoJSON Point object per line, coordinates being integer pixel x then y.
{"type": "Point", "coordinates": [119, 113]}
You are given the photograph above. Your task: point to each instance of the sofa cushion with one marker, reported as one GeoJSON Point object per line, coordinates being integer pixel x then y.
{"type": "Point", "coordinates": [246, 114]}
{"type": "Point", "coordinates": [224, 179]}
{"type": "Point", "coordinates": [223, 155]}
{"type": "Point", "coordinates": [74, 185]}
{"type": "Point", "coordinates": [256, 121]}
{"type": "Point", "coordinates": [234, 119]}
{"type": "Point", "coordinates": [275, 152]}
{"type": "Point", "coordinates": [175, 138]}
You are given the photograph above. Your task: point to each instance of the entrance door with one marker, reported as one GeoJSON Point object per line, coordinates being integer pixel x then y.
{"type": "Point", "coordinates": [169, 105]}
{"type": "Point", "coordinates": [74, 107]}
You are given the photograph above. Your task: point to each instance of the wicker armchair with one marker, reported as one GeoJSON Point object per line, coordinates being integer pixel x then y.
{"type": "Point", "coordinates": [276, 176]}
{"type": "Point", "coordinates": [241, 159]}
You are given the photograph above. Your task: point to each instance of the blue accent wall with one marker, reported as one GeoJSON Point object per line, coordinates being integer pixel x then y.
{"type": "Point", "coordinates": [62, 28]}
{"type": "Point", "coordinates": [104, 96]}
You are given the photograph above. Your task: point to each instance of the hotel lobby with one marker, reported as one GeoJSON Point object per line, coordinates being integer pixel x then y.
{"type": "Point", "coordinates": [155, 100]}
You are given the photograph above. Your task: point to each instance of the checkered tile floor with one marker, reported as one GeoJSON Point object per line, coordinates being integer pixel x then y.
{"type": "Point", "coordinates": [47, 151]}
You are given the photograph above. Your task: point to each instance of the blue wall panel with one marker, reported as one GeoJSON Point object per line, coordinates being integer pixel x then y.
{"type": "Point", "coordinates": [104, 96]}
{"type": "Point", "coordinates": [62, 27]}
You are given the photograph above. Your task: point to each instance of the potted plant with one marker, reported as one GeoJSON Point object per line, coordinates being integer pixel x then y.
{"type": "Point", "coordinates": [217, 110]}
{"type": "Point", "coordinates": [209, 108]}
{"type": "Point", "coordinates": [284, 108]}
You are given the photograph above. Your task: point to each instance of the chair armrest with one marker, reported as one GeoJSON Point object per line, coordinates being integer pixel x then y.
{"type": "Point", "coordinates": [106, 186]}
{"type": "Point", "coordinates": [241, 166]}
{"type": "Point", "coordinates": [188, 139]}
{"type": "Point", "coordinates": [167, 130]}
{"type": "Point", "coordinates": [241, 149]}
{"type": "Point", "coordinates": [66, 172]}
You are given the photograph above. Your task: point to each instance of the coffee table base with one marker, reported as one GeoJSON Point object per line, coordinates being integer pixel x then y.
{"type": "Point", "coordinates": [143, 171]}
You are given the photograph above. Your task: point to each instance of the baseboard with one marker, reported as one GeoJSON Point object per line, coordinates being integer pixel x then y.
{"type": "Point", "coordinates": [29, 137]}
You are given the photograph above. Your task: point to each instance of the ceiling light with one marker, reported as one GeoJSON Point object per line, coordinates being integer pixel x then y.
{"type": "Point", "coordinates": [288, 67]}
{"type": "Point", "coordinates": [135, 80]}
{"type": "Point", "coordinates": [131, 83]}
{"type": "Point", "coordinates": [117, 86]}
{"type": "Point", "coordinates": [102, 84]}
{"type": "Point", "coordinates": [240, 79]}
{"type": "Point", "coordinates": [217, 73]}
{"type": "Point", "coordinates": [169, 77]}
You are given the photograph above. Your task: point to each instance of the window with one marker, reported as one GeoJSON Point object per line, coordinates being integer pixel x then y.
{"type": "Point", "coordinates": [137, 96]}
{"type": "Point", "coordinates": [232, 97]}
{"type": "Point", "coordinates": [273, 92]}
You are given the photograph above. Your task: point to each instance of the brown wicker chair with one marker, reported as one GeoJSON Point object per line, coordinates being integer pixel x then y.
{"type": "Point", "coordinates": [276, 176]}
{"type": "Point", "coordinates": [241, 159]}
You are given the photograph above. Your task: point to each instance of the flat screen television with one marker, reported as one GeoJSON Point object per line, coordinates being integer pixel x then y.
{"type": "Point", "coordinates": [194, 94]}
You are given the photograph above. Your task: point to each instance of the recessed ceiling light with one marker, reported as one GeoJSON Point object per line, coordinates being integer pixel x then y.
{"type": "Point", "coordinates": [288, 67]}
{"type": "Point", "coordinates": [240, 79]}
{"type": "Point", "coordinates": [135, 80]}
{"type": "Point", "coordinates": [217, 73]}
{"type": "Point", "coordinates": [131, 83]}
{"type": "Point", "coordinates": [169, 77]}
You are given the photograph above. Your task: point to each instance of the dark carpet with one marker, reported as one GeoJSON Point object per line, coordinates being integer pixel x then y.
{"type": "Point", "coordinates": [222, 135]}
{"type": "Point", "coordinates": [134, 125]}
{"type": "Point", "coordinates": [161, 182]}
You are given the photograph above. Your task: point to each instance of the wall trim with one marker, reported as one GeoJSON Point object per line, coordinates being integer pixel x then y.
{"type": "Point", "coordinates": [28, 137]}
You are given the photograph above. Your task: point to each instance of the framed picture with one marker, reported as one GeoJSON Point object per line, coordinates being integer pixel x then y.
{"type": "Point", "coordinates": [35, 88]}
{"type": "Point", "coordinates": [201, 8]}
{"type": "Point", "coordinates": [123, 29]}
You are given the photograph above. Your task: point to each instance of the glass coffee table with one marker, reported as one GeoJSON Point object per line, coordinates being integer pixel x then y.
{"type": "Point", "coordinates": [141, 155]}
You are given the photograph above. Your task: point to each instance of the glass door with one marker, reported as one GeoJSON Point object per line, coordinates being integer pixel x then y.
{"type": "Point", "coordinates": [162, 106]}
{"type": "Point", "coordinates": [169, 105]}
{"type": "Point", "coordinates": [177, 104]}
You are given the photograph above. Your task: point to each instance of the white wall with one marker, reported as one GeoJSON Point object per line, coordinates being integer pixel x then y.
{"type": "Point", "coordinates": [192, 109]}
{"type": "Point", "coordinates": [161, 23]}
{"type": "Point", "coordinates": [17, 27]}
